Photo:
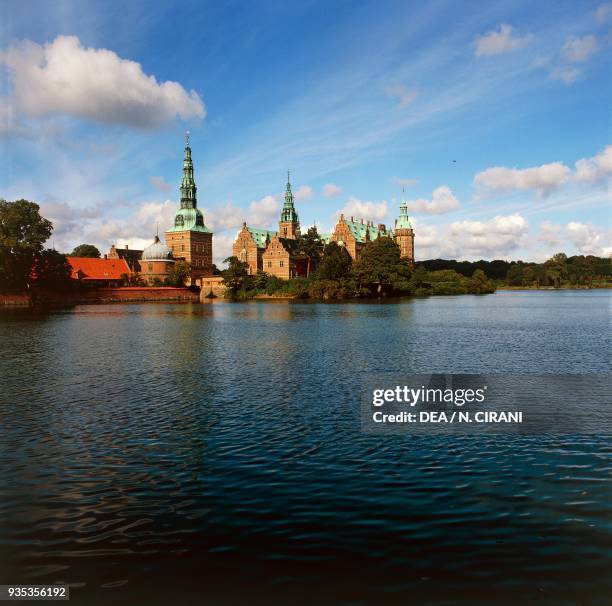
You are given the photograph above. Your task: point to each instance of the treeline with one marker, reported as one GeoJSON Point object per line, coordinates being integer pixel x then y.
{"type": "Point", "coordinates": [559, 271]}
{"type": "Point", "coordinates": [379, 272]}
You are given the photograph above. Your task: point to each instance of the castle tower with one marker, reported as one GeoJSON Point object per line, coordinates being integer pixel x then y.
{"type": "Point", "coordinates": [289, 224]}
{"type": "Point", "coordinates": [189, 238]}
{"type": "Point", "coordinates": [404, 234]}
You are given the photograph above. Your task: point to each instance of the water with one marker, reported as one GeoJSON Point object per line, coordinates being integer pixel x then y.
{"type": "Point", "coordinates": [177, 453]}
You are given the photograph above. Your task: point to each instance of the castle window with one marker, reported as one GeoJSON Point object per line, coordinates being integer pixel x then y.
{"type": "Point", "coordinates": [269, 263]}
{"type": "Point", "coordinates": [281, 264]}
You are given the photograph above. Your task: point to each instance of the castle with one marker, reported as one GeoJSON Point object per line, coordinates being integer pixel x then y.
{"type": "Point", "coordinates": [277, 252]}
{"type": "Point", "coordinates": [274, 252]}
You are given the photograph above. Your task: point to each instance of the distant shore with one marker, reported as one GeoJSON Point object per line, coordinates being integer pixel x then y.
{"type": "Point", "coordinates": [604, 287]}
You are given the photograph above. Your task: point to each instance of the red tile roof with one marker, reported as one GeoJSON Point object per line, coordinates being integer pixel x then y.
{"type": "Point", "coordinates": [85, 268]}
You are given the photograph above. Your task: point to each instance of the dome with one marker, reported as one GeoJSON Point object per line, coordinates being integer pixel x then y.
{"type": "Point", "coordinates": [157, 252]}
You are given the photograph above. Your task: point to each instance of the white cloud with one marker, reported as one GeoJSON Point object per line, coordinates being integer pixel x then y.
{"type": "Point", "coordinates": [442, 201]}
{"type": "Point", "coordinates": [64, 77]}
{"type": "Point", "coordinates": [403, 94]}
{"type": "Point", "coordinates": [154, 213]}
{"type": "Point", "coordinates": [501, 40]}
{"type": "Point", "coordinates": [597, 168]}
{"type": "Point", "coordinates": [567, 75]}
{"type": "Point", "coordinates": [603, 12]}
{"type": "Point", "coordinates": [578, 50]}
{"type": "Point", "coordinates": [356, 208]}
{"type": "Point", "coordinates": [495, 238]}
{"type": "Point", "coordinates": [330, 190]}
{"type": "Point", "coordinates": [264, 212]}
{"type": "Point", "coordinates": [588, 239]}
{"type": "Point", "coordinates": [160, 183]}
{"type": "Point", "coordinates": [304, 192]}
{"type": "Point", "coordinates": [541, 179]}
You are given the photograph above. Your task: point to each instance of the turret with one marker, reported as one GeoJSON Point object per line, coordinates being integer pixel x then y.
{"type": "Point", "coordinates": [403, 232]}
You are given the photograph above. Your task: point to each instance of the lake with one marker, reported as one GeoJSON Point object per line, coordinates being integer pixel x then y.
{"type": "Point", "coordinates": [212, 453]}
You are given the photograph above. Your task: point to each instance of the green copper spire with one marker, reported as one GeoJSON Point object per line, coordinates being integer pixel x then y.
{"type": "Point", "coordinates": [403, 221]}
{"type": "Point", "coordinates": [188, 186]}
{"type": "Point", "coordinates": [288, 213]}
{"type": "Point", "coordinates": [188, 217]}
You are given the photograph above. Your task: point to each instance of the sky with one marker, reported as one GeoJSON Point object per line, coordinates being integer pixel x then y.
{"type": "Point", "coordinates": [491, 119]}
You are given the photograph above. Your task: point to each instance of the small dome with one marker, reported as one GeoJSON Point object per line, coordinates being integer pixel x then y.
{"type": "Point", "coordinates": [157, 252]}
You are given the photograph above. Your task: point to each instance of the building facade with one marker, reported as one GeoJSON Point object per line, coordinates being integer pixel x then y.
{"type": "Point", "coordinates": [189, 239]}
{"type": "Point", "coordinates": [250, 246]}
{"type": "Point", "coordinates": [275, 253]}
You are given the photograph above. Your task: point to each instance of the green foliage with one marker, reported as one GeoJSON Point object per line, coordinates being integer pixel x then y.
{"type": "Point", "coordinates": [177, 276]}
{"type": "Point", "coordinates": [86, 250]}
{"type": "Point", "coordinates": [562, 271]}
{"type": "Point", "coordinates": [336, 263]}
{"type": "Point", "coordinates": [51, 271]}
{"type": "Point", "coordinates": [235, 276]}
{"type": "Point", "coordinates": [380, 269]}
{"type": "Point", "coordinates": [22, 235]}
{"type": "Point", "coordinates": [311, 246]}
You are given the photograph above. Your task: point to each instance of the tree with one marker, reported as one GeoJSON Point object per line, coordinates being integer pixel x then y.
{"type": "Point", "coordinates": [381, 268]}
{"type": "Point", "coordinates": [479, 284]}
{"type": "Point", "coordinates": [311, 246]}
{"type": "Point", "coordinates": [22, 234]}
{"type": "Point", "coordinates": [179, 273]}
{"type": "Point", "coordinates": [336, 263]}
{"type": "Point", "coordinates": [235, 275]}
{"type": "Point", "coordinates": [51, 270]}
{"type": "Point", "coordinates": [86, 250]}
{"type": "Point", "coordinates": [556, 269]}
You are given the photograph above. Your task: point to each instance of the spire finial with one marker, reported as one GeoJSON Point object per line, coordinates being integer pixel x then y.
{"type": "Point", "coordinates": [288, 177]}
{"type": "Point", "coordinates": [157, 229]}
{"type": "Point", "coordinates": [186, 138]}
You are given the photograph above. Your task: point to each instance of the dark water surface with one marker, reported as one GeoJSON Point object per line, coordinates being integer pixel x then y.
{"type": "Point", "coordinates": [212, 454]}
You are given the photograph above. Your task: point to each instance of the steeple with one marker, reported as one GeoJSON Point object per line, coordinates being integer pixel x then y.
{"type": "Point", "coordinates": [289, 224]}
{"type": "Point", "coordinates": [403, 221]}
{"type": "Point", "coordinates": [188, 186]}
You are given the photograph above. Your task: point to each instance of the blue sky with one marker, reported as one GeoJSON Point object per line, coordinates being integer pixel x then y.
{"type": "Point", "coordinates": [494, 118]}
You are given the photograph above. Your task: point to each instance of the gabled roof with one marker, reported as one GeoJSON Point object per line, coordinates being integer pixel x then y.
{"type": "Point", "coordinates": [260, 235]}
{"type": "Point", "coordinates": [85, 268]}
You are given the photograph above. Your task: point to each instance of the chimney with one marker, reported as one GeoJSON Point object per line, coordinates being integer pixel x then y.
{"type": "Point", "coordinates": [106, 256]}
{"type": "Point", "coordinates": [381, 227]}
{"type": "Point", "coordinates": [126, 247]}
{"type": "Point", "coordinates": [352, 219]}
{"type": "Point", "coordinates": [341, 216]}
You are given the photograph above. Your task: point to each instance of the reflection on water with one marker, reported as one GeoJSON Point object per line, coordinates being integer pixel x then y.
{"type": "Point", "coordinates": [216, 449]}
